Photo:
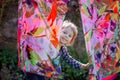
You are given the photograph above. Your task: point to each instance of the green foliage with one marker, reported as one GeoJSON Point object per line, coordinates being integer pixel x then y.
{"type": "Point", "coordinates": [70, 73]}
{"type": "Point", "coordinates": [8, 62]}
{"type": "Point", "coordinates": [8, 57]}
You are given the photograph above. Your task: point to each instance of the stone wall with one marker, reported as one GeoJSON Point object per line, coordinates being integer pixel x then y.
{"type": "Point", "coordinates": [8, 23]}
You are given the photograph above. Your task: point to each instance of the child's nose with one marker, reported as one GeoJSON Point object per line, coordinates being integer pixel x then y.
{"type": "Point", "coordinates": [67, 36]}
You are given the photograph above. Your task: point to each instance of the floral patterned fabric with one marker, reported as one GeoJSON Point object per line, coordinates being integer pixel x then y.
{"type": "Point", "coordinates": [38, 25]}
{"type": "Point", "coordinates": [101, 26]}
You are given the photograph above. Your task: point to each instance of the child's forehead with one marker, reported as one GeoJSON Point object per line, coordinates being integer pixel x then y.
{"type": "Point", "coordinates": [67, 27]}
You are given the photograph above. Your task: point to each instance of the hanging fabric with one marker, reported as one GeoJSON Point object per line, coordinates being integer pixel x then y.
{"type": "Point", "coordinates": [38, 25]}
{"type": "Point", "coordinates": [102, 36]}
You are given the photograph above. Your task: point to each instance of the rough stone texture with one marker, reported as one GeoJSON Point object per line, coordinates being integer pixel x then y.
{"type": "Point", "coordinates": [8, 26]}
{"type": "Point", "coordinates": [74, 16]}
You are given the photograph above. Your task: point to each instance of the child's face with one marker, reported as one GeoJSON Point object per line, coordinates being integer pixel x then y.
{"type": "Point", "coordinates": [66, 35]}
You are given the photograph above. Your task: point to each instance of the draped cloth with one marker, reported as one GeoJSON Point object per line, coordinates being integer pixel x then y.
{"type": "Point", "coordinates": [39, 22]}
{"type": "Point", "coordinates": [38, 25]}
{"type": "Point", "coordinates": [101, 26]}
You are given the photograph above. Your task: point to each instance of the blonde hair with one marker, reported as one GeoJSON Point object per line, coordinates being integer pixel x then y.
{"type": "Point", "coordinates": [67, 24]}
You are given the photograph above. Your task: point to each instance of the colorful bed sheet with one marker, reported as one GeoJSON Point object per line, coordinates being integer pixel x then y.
{"type": "Point", "coordinates": [38, 25]}
{"type": "Point", "coordinates": [101, 26]}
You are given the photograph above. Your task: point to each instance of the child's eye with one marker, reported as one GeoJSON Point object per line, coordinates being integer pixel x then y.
{"type": "Point", "coordinates": [70, 36]}
{"type": "Point", "coordinates": [64, 32]}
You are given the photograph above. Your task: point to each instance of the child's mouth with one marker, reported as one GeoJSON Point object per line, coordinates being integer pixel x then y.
{"type": "Point", "coordinates": [64, 39]}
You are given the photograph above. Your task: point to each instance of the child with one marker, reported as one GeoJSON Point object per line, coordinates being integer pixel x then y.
{"type": "Point", "coordinates": [67, 36]}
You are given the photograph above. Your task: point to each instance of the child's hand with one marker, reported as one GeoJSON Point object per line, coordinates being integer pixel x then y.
{"type": "Point", "coordinates": [85, 66]}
